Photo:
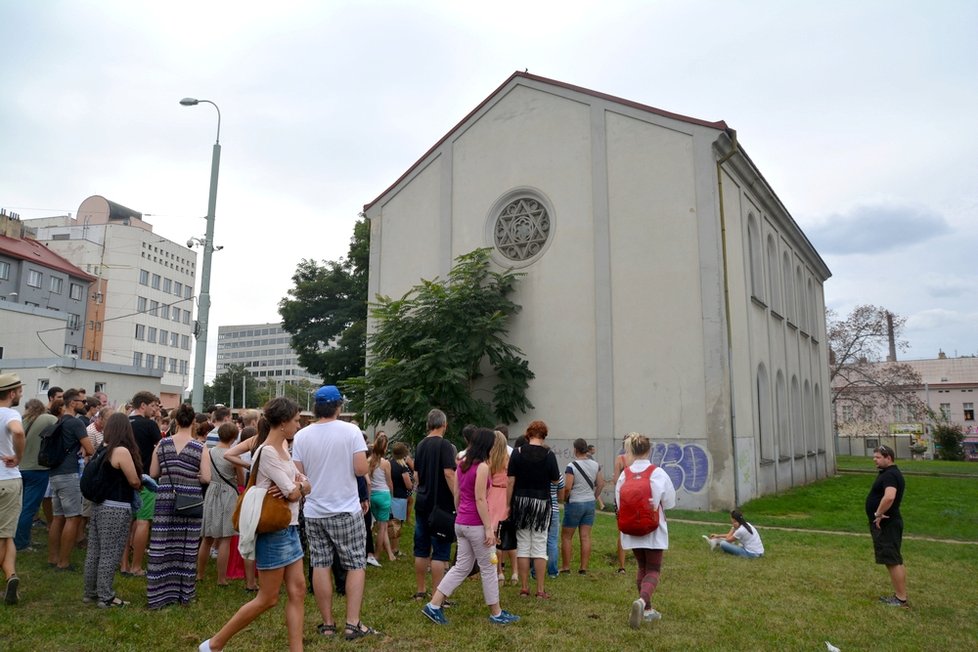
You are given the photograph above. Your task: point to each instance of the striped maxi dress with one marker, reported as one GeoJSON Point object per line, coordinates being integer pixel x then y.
{"type": "Point", "coordinates": [171, 572]}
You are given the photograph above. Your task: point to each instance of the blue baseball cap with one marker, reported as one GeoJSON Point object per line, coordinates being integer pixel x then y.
{"type": "Point", "coordinates": [328, 394]}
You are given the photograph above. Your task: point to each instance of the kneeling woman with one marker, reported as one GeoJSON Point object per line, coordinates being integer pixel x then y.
{"type": "Point", "coordinates": [742, 539]}
{"type": "Point", "coordinates": [278, 554]}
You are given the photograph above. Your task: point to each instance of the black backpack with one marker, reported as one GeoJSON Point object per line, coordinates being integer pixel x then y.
{"type": "Point", "coordinates": [52, 452]}
{"type": "Point", "coordinates": [93, 483]}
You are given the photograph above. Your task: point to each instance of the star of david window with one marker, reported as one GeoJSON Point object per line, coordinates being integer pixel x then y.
{"type": "Point", "coordinates": [522, 229]}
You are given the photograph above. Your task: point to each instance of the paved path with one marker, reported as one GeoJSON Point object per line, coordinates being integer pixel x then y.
{"type": "Point", "coordinates": [835, 532]}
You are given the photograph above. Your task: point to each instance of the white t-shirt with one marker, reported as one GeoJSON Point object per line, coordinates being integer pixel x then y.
{"type": "Point", "coordinates": [325, 451]}
{"type": "Point", "coordinates": [750, 540]}
{"type": "Point", "coordinates": [7, 416]}
{"type": "Point", "coordinates": [663, 496]}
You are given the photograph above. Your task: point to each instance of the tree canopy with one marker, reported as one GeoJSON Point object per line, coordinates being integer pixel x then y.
{"type": "Point", "coordinates": [443, 345]}
{"type": "Point", "coordinates": [226, 389]}
{"type": "Point", "coordinates": [864, 383]}
{"type": "Point", "coordinates": [326, 311]}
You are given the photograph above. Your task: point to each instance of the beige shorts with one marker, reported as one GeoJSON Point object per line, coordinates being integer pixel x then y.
{"type": "Point", "coordinates": [11, 500]}
{"type": "Point", "coordinates": [532, 544]}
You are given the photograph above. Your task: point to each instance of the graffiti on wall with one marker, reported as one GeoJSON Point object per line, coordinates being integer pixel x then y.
{"type": "Point", "coordinates": [688, 465]}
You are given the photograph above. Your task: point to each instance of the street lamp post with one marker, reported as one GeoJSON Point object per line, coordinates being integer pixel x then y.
{"type": "Point", "coordinates": [204, 300]}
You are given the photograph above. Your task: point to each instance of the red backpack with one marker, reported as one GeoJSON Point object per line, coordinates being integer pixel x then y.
{"type": "Point", "coordinates": [636, 516]}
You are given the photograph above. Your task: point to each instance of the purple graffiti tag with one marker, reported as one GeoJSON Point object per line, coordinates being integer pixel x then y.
{"type": "Point", "coordinates": [696, 464]}
{"type": "Point", "coordinates": [688, 466]}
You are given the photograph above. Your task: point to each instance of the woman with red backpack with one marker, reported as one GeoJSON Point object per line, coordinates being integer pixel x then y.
{"type": "Point", "coordinates": [643, 492]}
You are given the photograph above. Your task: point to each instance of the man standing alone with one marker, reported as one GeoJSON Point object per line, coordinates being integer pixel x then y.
{"type": "Point", "coordinates": [12, 443]}
{"type": "Point", "coordinates": [886, 524]}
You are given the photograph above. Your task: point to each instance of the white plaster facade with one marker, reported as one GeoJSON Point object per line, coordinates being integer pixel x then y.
{"type": "Point", "coordinates": [638, 314]}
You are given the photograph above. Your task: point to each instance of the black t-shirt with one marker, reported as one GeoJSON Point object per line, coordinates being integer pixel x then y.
{"type": "Point", "coordinates": [72, 432]}
{"type": "Point", "coordinates": [397, 476]}
{"type": "Point", "coordinates": [147, 434]}
{"type": "Point", "coordinates": [888, 477]}
{"type": "Point", "coordinates": [434, 455]}
{"type": "Point", "coordinates": [533, 468]}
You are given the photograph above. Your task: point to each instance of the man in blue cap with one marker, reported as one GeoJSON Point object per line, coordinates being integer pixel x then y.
{"type": "Point", "coordinates": [332, 453]}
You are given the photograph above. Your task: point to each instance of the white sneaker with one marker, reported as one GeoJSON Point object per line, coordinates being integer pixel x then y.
{"type": "Point", "coordinates": [651, 615]}
{"type": "Point", "coordinates": [373, 562]}
{"type": "Point", "coordinates": [635, 614]}
{"type": "Point", "coordinates": [714, 543]}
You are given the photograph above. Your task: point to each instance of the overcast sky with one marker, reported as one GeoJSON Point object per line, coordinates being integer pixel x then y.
{"type": "Point", "coordinates": [859, 114]}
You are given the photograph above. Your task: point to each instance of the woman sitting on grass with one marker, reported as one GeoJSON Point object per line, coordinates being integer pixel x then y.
{"type": "Point", "coordinates": [742, 539]}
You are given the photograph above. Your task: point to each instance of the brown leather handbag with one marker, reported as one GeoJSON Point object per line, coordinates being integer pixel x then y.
{"type": "Point", "coordinates": [275, 512]}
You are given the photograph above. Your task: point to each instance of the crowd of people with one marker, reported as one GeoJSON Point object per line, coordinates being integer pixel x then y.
{"type": "Point", "coordinates": [169, 491]}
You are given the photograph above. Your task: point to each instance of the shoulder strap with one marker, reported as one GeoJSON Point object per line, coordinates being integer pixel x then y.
{"type": "Point", "coordinates": [219, 474]}
{"type": "Point", "coordinates": [584, 475]}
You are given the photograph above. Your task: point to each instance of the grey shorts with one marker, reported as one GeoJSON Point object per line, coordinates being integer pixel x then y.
{"type": "Point", "coordinates": [341, 537]}
{"type": "Point", "coordinates": [66, 496]}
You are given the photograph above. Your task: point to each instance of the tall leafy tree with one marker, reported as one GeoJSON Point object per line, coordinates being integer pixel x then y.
{"type": "Point", "coordinates": [867, 388]}
{"type": "Point", "coordinates": [326, 311]}
{"type": "Point", "coordinates": [443, 344]}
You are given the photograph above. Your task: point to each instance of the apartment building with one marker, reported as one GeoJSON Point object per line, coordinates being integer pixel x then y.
{"type": "Point", "coordinates": [263, 349]}
{"type": "Point", "coordinates": [144, 286]}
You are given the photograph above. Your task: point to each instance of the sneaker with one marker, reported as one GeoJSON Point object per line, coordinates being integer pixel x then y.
{"type": "Point", "coordinates": [893, 601]}
{"type": "Point", "coordinates": [651, 615]}
{"type": "Point", "coordinates": [635, 614]}
{"type": "Point", "coordinates": [504, 618]}
{"type": "Point", "coordinates": [714, 543]}
{"type": "Point", "coordinates": [10, 595]}
{"type": "Point", "coordinates": [373, 562]}
{"type": "Point", "coordinates": [434, 615]}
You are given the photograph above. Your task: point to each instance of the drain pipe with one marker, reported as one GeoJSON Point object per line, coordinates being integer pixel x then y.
{"type": "Point", "coordinates": [726, 305]}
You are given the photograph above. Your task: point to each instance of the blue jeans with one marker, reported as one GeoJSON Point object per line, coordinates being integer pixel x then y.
{"type": "Point", "coordinates": [35, 484]}
{"type": "Point", "coordinates": [553, 537]}
{"type": "Point", "coordinates": [739, 551]}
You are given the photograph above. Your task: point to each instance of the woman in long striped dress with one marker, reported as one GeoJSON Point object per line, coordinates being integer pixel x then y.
{"type": "Point", "coordinates": [180, 465]}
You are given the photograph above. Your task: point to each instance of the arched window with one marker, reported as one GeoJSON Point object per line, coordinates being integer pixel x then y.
{"type": "Point", "coordinates": [764, 420]}
{"type": "Point", "coordinates": [802, 305]}
{"type": "Point", "coordinates": [811, 444]}
{"type": "Point", "coordinates": [797, 418]}
{"type": "Point", "coordinates": [781, 406]}
{"type": "Point", "coordinates": [812, 308]}
{"type": "Point", "coordinates": [819, 420]}
{"type": "Point", "coordinates": [754, 258]}
{"type": "Point", "coordinates": [774, 288]}
{"type": "Point", "coordinates": [789, 287]}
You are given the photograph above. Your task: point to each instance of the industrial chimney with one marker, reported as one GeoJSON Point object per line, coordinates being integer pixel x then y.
{"type": "Point", "coordinates": [891, 336]}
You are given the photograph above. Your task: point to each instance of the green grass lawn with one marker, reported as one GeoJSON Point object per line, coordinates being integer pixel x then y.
{"type": "Point", "coordinates": [927, 467]}
{"type": "Point", "coordinates": [809, 588]}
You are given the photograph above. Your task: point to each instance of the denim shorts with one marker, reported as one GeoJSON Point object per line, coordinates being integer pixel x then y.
{"type": "Point", "coordinates": [278, 549]}
{"type": "Point", "coordinates": [66, 496]}
{"type": "Point", "coordinates": [578, 514]}
{"type": "Point", "coordinates": [426, 545]}
{"type": "Point", "coordinates": [399, 508]}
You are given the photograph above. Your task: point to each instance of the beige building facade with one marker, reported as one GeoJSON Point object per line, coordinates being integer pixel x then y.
{"type": "Point", "coordinates": [667, 290]}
